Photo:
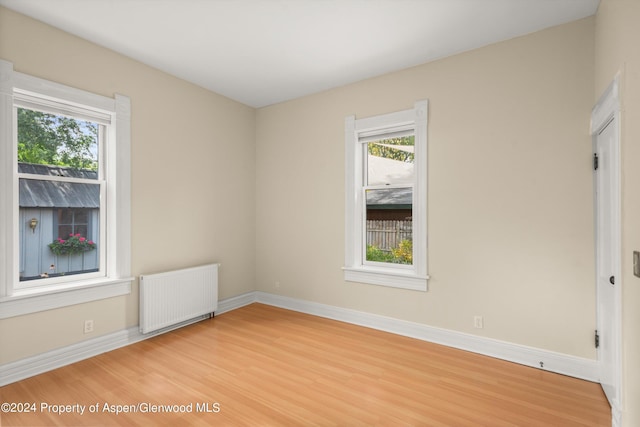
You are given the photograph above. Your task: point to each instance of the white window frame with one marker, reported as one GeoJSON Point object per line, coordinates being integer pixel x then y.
{"type": "Point", "coordinates": [356, 268]}
{"type": "Point", "coordinates": [115, 279]}
{"type": "Point", "coordinates": [36, 102]}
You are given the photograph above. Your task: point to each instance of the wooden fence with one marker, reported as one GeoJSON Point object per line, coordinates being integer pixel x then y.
{"type": "Point", "coordinates": [387, 234]}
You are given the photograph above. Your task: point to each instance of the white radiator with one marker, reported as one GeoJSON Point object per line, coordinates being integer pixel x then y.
{"type": "Point", "coordinates": [174, 297]}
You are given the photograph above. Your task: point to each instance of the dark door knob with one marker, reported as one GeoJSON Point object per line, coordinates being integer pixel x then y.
{"type": "Point", "coordinates": [612, 280]}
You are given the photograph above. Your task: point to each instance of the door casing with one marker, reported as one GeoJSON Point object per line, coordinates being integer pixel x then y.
{"type": "Point", "coordinates": [606, 116]}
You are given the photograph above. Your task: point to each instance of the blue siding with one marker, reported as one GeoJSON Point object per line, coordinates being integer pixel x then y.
{"type": "Point", "coordinates": [35, 256]}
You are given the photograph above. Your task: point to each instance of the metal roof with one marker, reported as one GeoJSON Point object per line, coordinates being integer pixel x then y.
{"type": "Point", "coordinates": [54, 194]}
{"type": "Point", "coordinates": [392, 198]}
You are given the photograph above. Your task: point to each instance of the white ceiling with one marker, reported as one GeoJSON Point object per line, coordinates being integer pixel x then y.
{"type": "Point", "coordinates": [261, 52]}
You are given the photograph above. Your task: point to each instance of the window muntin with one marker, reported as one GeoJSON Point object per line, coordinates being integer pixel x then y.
{"type": "Point", "coordinates": [385, 179]}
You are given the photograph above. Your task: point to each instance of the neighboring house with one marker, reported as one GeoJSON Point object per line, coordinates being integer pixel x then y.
{"type": "Point", "coordinates": [50, 209]}
{"type": "Point", "coordinates": [392, 204]}
{"type": "Point", "coordinates": [389, 217]}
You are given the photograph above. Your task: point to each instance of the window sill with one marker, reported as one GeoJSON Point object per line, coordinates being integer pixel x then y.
{"type": "Point", "coordinates": [33, 300]}
{"type": "Point", "coordinates": [385, 277]}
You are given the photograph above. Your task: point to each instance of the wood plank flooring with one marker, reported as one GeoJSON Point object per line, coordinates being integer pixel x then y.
{"type": "Point", "coordinates": [265, 366]}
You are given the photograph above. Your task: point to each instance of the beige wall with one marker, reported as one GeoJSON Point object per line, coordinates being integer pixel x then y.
{"type": "Point", "coordinates": [510, 195]}
{"type": "Point", "coordinates": [510, 192]}
{"type": "Point", "coordinates": [617, 35]}
{"type": "Point", "coordinates": [193, 179]}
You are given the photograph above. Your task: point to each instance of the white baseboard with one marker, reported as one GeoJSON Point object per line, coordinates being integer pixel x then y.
{"type": "Point", "coordinates": [554, 362]}
{"type": "Point", "coordinates": [232, 303]}
{"type": "Point", "coordinates": [30, 366]}
{"type": "Point", "coordinates": [38, 364]}
{"type": "Point", "coordinates": [616, 415]}
{"type": "Point", "coordinates": [578, 367]}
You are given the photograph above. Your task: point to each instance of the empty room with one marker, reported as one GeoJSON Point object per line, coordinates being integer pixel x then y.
{"type": "Point", "coordinates": [300, 212]}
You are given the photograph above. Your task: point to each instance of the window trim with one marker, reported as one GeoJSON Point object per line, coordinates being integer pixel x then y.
{"type": "Point", "coordinates": [16, 301]}
{"type": "Point", "coordinates": [356, 268]}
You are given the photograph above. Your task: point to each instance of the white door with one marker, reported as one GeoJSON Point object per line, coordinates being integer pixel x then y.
{"type": "Point", "coordinates": [607, 189]}
{"type": "Point", "coordinates": [605, 129]}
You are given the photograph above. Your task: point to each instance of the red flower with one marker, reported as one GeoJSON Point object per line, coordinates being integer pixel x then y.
{"type": "Point", "coordinates": [73, 245]}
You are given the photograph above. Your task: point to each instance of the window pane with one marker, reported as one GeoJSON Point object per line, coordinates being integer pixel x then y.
{"type": "Point", "coordinates": [389, 225]}
{"type": "Point", "coordinates": [390, 161]}
{"type": "Point", "coordinates": [65, 216]}
{"type": "Point", "coordinates": [80, 229]}
{"type": "Point", "coordinates": [59, 228]}
{"type": "Point", "coordinates": [79, 216]}
{"type": "Point", "coordinates": [50, 144]}
{"type": "Point", "coordinates": [64, 231]}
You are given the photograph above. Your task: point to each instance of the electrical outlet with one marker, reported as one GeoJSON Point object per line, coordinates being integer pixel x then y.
{"type": "Point", "coordinates": [478, 322]}
{"type": "Point", "coordinates": [88, 326]}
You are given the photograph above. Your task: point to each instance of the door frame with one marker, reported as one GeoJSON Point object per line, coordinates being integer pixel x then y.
{"type": "Point", "coordinates": [605, 113]}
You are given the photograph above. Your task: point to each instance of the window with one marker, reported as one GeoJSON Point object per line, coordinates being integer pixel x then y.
{"type": "Point", "coordinates": [60, 181]}
{"type": "Point", "coordinates": [71, 222]}
{"type": "Point", "coordinates": [386, 218]}
{"type": "Point", "coordinates": [64, 206]}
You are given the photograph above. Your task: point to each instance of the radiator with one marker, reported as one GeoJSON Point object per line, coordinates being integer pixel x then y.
{"type": "Point", "coordinates": [174, 297]}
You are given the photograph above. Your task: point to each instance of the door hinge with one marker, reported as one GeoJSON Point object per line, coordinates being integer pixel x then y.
{"type": "Point", "coordinates": [597, 339]}
{"type": "Point", "coordinates": [595, 161]}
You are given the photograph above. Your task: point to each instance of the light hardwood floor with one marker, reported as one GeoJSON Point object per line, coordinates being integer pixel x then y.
{"type": "Point", "coordinates": [265, 366]}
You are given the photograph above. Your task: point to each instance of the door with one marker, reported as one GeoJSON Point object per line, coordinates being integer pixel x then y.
{"type": "Point", "coordinates": [608, 280]}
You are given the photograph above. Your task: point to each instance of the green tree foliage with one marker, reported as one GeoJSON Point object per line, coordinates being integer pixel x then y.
{"type": "Point", "coordinates": [49, 139]}
{"type": "Point", "coordinates": [383, 148]}
{"type": "Point", "coordinates": [376, 254]}
{"type": "Point", "coordinates": [403, 254]}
